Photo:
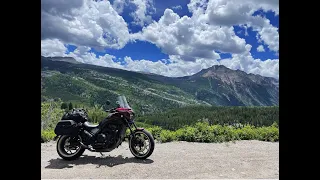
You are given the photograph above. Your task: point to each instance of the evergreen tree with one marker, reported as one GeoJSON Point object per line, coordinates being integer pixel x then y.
{"type": "Point", "coordinates": [70, 106]}
{"type": "Point", "coordinates": [64, 105]}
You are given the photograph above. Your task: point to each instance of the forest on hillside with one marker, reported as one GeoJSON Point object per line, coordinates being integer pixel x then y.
{"type": "Point", "coordinates": [222, 115]}
{"type": "Point", "coordinates": [193, 123]}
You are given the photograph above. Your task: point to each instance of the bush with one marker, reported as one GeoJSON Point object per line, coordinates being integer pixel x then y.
{"type": "Point", "coordinates": [268, 134]}
{"type": "Point", "coordinates": [96, 114]}
{"type": "Point", "coordinates": [248, 132]}
{"type": "Point", "coordinates": [203, 132]}
{"type": "Point", "coordinates": [51, 114]}
{"type": "Point", "coordinates": [47, 135]}
{"type": "Point", "coordinates": [155, 131]}
{"type": "Point", "coordinates": [167, 136]}
{"type": "Point", "coordinates": [186, 134]}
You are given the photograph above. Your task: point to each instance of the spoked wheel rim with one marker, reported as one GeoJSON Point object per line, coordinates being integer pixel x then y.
{"type": "Point", "coordinates": [140, 144]}
{"type": "Point", "coordinates": [71, 146]}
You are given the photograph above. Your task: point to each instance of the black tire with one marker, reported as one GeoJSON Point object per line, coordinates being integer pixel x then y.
{"type": "Point", "coordinates": [151, 141]}
{"type": "Point", "coordinates": [63, 154]}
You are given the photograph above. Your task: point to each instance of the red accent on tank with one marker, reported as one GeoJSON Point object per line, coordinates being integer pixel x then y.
{"type": "Point", "coordinates": [123, 109]}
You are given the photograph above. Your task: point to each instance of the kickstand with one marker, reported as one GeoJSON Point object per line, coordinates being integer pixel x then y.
{"type": "Point", "coordinates": [102, 154]}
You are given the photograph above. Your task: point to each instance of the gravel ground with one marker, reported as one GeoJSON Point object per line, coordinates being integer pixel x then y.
{"type": "Point", "coordinates": [174, 160]}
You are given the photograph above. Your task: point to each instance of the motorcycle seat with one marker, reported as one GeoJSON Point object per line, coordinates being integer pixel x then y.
{"type": "Point", "coordinates": [90, 126]}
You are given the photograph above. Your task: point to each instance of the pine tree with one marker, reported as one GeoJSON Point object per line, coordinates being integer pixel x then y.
{"type": "Point", "coordinates": [70, 106]}
{"type": "Point", "coordinates": [64, 105]}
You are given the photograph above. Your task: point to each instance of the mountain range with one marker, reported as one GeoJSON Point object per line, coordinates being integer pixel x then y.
{"type": "Point", "coordinates": [69, 80]}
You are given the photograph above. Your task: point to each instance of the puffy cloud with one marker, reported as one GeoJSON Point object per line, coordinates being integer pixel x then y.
{"type": "Point", "coordinates": [245, 62]}
{"type": "Point", "coordinates": [142, 14]}
{"type": "Point", "coordinates": [176, 7]}
{"type": "Point", "coordinates": [83, 23]}
{"type": "Point", "coordinates": [53, 47]}
{"type": "Point", "coordinates": [175, 68]}
{"type": "Point", "coordinates": [210, 30]}
{"type": "Point", "coordinates": [172, 67]}
{"type": "Point", "coordinates": [83, 55]}
{"type": "Point", "coordinates": [189, 39]}
{"type": "Point", "coordinates": [268, 68]}
{"type": "Point", "coordinates": [233, 12]}
{"type": "Point", "coordinates": [192, 43]}
{"type": "Point", "coordinates": [239, 12]}
{"type": "Point", "coordinates": [260, 48]}
{"type": "Point", "coordinates": [118, 5]}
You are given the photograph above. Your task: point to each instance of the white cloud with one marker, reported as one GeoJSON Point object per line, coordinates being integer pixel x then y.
{"type": "Point", "coordinates": [81, 54]}
{"type": "Point", "coordinates": [142, 14]}
{"type": "Point", "coordinates": [210, 30]}
{"type": "Point", "coordinates": [176, 7]}
{"type": "Point", "coordinates": [245, 62]}
{"type": "Point", "coordinates": [192, 42]}
{"type": "Point", "coordinates": [52, 47]}
{"type": "Point", "coordinates": [176, 67]}
{"type": "Point", "coordinates": [172, 67]}
{"type": "Point", "coordinates": [189, 39]}
{"type": "Point", "coordinates": [268, 68]}
{"type": "Point", "coordinates": [260, 48]}
{"type": "Point", "coordinates": [83, 23]}
{"type": "Point", "coordinates": [118, 5]}
{"type": "Point", "coordinates": [233, 12]}
{"type": "Point", "coordinates": [239, 12]}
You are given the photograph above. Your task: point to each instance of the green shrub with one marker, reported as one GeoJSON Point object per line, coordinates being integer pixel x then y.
{"type": "Point", "coordinates": [202, 132]}
{"type": "Point", "coordinates": [96, 114]}
{"type": "Point", "coordinates": [155, 131]}
{"type": "Point", "coordinates": [248, 132]}
{"type": "Point", "coordinates": [51, 114]}
{"type": "Point", "coordinates": [47, 135]}
{"type": "Point", "coordinates": [268, 133]}
{"type": "Point", "coordinates": [167, 136]}
{"type": "Point", "coordinates": [186, 134]}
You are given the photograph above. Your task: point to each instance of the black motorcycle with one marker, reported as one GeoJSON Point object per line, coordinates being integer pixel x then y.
{"type": "Point", "coordinates": [76, 134]}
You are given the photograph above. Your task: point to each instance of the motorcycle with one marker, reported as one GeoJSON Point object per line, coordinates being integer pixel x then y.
{"type": "Point", "coordinates": [76, 134]}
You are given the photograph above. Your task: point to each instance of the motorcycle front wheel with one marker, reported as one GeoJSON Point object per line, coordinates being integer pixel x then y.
{"type": "Point", "coordinates": [69, 147]}
{"type": "Point", "coordinates": [141, 144]}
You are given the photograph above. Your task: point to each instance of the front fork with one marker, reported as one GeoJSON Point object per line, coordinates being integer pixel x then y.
{"type": "Point", "coordinates": [131, 124]}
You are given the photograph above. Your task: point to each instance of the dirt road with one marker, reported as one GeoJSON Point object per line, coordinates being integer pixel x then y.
{"type": "Point", "coordinates": [183, 160]}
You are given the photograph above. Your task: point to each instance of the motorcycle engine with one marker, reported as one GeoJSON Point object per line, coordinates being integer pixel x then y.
{"type": "Point", "coordinates": [101, 138]}
{"type": "Point", "coordinates": [107, 137]}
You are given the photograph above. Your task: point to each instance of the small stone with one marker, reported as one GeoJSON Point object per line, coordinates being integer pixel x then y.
{"type": "Point", "coordinates": [233, 169]}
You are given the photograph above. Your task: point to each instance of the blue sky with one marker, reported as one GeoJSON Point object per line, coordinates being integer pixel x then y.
{"type": "Point", "coordinates": [154, 36]}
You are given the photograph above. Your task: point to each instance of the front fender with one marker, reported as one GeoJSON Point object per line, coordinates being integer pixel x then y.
{"type": "Point", "coordinates": [138, 129]}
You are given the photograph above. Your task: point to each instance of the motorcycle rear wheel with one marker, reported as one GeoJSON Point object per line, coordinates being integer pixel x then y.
{"type": "Point", "coordinates": [67, 143]}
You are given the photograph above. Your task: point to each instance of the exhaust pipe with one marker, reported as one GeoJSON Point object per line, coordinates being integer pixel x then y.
{"type": "Point", "coordinates": [87, 147]}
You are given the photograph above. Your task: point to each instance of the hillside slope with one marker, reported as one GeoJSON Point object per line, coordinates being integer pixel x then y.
{"type": "Point", "coordinates": [219, 86]}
